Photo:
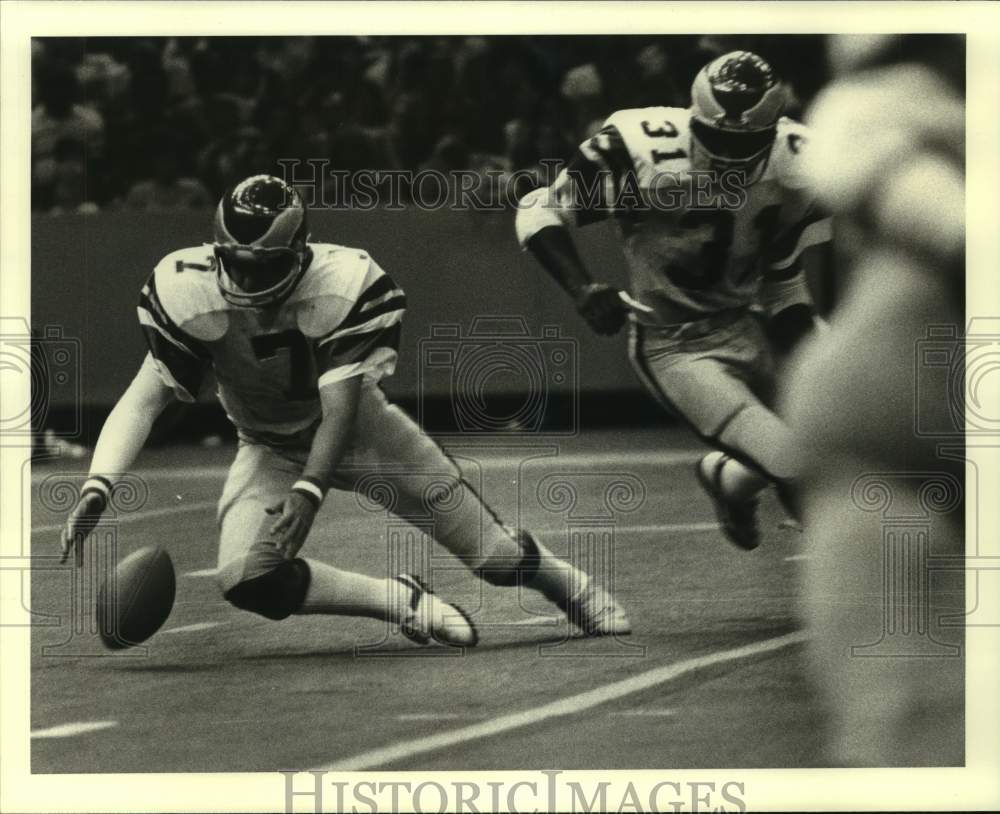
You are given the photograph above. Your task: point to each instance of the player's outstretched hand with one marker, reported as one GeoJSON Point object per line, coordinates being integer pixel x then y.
{"type": "Point", "coordinates": [290, 530]}
{"type": "Point", "coordinates": [80, 523]}
{"type": "Point", "coordinates": [603, 309]}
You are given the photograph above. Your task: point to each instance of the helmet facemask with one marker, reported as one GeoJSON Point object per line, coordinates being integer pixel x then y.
{"type": "Point", "coordinates": [260, 243]}
{"type": "Point", "coordinates": [729, 150]}
{"type": "Point", "coordinates": [735, 105]}
{"type": "Point", "coordinates": [256, 276]}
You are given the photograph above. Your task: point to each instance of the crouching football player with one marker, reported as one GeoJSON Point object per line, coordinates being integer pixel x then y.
{"type": "Point", "coordinates": [298, 335]}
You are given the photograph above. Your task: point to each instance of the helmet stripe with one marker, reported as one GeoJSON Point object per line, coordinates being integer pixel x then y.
{"type": "Point", "coordinates": [283, 230]}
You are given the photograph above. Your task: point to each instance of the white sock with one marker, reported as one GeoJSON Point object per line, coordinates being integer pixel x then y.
{"type": "Point", "coordinates": [346, 593]}
{"type": "Point", "coordinates": [556, 579]}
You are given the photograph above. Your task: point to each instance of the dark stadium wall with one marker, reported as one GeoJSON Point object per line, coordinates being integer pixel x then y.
{"type": "Point", "coordinates": [458, 270]}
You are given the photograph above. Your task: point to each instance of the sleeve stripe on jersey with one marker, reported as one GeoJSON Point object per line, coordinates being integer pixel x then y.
{"type": "Point", "coordinates": [394, 301]}
{"type": "Point", "coordinates": [608, 154]}
{"type": "Point", "coordinates": [359, 346]}
{"type": "Point", "coordinates": [382, 284]}
{"type": "Point", "coordinates": [589, 190]}
{"type": "Point", "coordinates": [371, 353]}
{"type": "Point", "coordinates": [176, 367]}
{"type": "Point", "coordinates": [388, 313]}
{"type": "Point", "coordinates": [608, 147]}
{"type": "Point", "coordinates": [338, 374]}
{"type": "Point", "coordinates": [806, 235]}
{"type": "Point", "coordinates": [149, 302]}
{"type": "Point", "coordinates": [148, 322]}
{"type": "Point", "coordinates": [382, 362]}
{"type": "Point", "coordinates": [370, 305]}
{"type": "Point", "coordinates": [376, 289]}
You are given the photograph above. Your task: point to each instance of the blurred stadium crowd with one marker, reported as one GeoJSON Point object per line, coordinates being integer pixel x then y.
{"type": "Point", "coordinates": [161, 123]}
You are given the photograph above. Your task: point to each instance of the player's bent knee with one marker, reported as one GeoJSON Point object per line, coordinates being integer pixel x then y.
{"type": "Point", "coordinates": [506, 572]}
{"type": "Point", "coordinates": [763, 440]}
{"type": "Point", "coordinates": [276, 593]}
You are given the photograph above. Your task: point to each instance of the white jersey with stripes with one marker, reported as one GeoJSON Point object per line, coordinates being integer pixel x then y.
{"type": "Point", "coordinates": [342, 319]}
{"type": "Point", "coordinates": [695, 242]}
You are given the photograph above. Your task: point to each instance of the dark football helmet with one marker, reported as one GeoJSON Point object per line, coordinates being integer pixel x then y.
{"type": "Point", "coordinates": [260, 236]}
{"type": "Point", "coordinates": [736, 101]}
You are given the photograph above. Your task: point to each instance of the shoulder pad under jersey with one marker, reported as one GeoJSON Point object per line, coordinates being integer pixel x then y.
{"type": "Point", "coordinates": [337, 277]}
{"type": "Point", "coordinates": [787, 164]}
{"type": "Point", "coordinates": [186, 290]}
{"type": "Point", "coordinates": [657, 138]}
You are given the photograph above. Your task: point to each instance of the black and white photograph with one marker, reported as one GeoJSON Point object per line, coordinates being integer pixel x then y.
{"type": "Point", "coordinates": [487, 409]}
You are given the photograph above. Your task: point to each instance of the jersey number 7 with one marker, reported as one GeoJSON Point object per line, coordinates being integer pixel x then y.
{"type": "Point", "coordinates": [267, 346]}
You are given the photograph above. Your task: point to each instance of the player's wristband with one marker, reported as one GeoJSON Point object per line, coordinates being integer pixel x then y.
{"type": "Point", "coordinates": [97, 485]}
{"type": "Point", "coordinates": [311, 489]}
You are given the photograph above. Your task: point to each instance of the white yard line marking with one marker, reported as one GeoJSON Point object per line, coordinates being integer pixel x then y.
{"type": "Point", "coordinates": [192, 628]}
{"type": "Point", "coordinates": [646, 713]}
{"type": "Point", "coordinates": [570, 705]}
{"type": "Point", "coordinates": [69, 730]}
{"type": "Point", "coordinates": [146, 514]}
{"type": "Point", "coordinates": [491, 461]}
{"type": "Point", "coordinates": [204, 572]}
{"type": "Point", "coordinates": [433, 716]}
{"type": "Point", "coordinates": [797, 557]}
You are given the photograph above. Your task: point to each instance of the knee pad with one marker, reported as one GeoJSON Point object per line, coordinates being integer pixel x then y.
{"type": "Point", "coordinates": [505, 573]}
{"type": "Point", "coordinates": [276, 593]}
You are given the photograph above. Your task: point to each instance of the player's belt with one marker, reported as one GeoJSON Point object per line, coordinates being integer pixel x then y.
{"type": "Point", "coordinates": [699, 327]}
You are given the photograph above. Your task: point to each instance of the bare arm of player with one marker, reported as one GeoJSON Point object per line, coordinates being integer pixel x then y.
{"type": "Point", "coordinates": [298, 510]}
{"type": "Point", "coordinates": [121, 439]}
{"type": "Point", "coordinates": [542, 233]}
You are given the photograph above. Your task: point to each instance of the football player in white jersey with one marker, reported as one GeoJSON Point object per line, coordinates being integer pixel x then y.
{"type": "Point", "coordinates": [713, 217]}
{"type": "Point", "coordinates": [298, 335]}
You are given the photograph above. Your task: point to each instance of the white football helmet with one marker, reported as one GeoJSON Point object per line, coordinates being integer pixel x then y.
{"type": "Point", "coordinates": [736, 102]}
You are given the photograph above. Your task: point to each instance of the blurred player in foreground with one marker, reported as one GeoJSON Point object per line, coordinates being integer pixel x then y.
{"type": "Point", "coordinates": [855, 394]}
{"type": "Point", "coordinates": [298, 335]}
{"type": "Point", "coordinates": [710, 202]}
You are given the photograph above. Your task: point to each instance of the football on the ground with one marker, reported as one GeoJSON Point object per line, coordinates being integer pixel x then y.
{"type": "Point", "coordinates": [136, 598]}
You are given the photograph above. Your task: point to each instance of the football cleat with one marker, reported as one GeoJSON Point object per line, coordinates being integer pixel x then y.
{"type": "Point", "coordinates": [596, 613]}
{"type": "Point", "coordinates": [735, 105]}
{"type": "Point", "coordinates": [738, 518]}
{"type": "Point", "coordinates": [428, 617]}
{"type": "Point", "coordinates": [260, 235]}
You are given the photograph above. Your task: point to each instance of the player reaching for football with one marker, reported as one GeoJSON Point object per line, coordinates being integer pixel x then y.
{"type": "Point", "coordinates": [713, 218]}
{"type": "Point", "coordinates": [298, 335]}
